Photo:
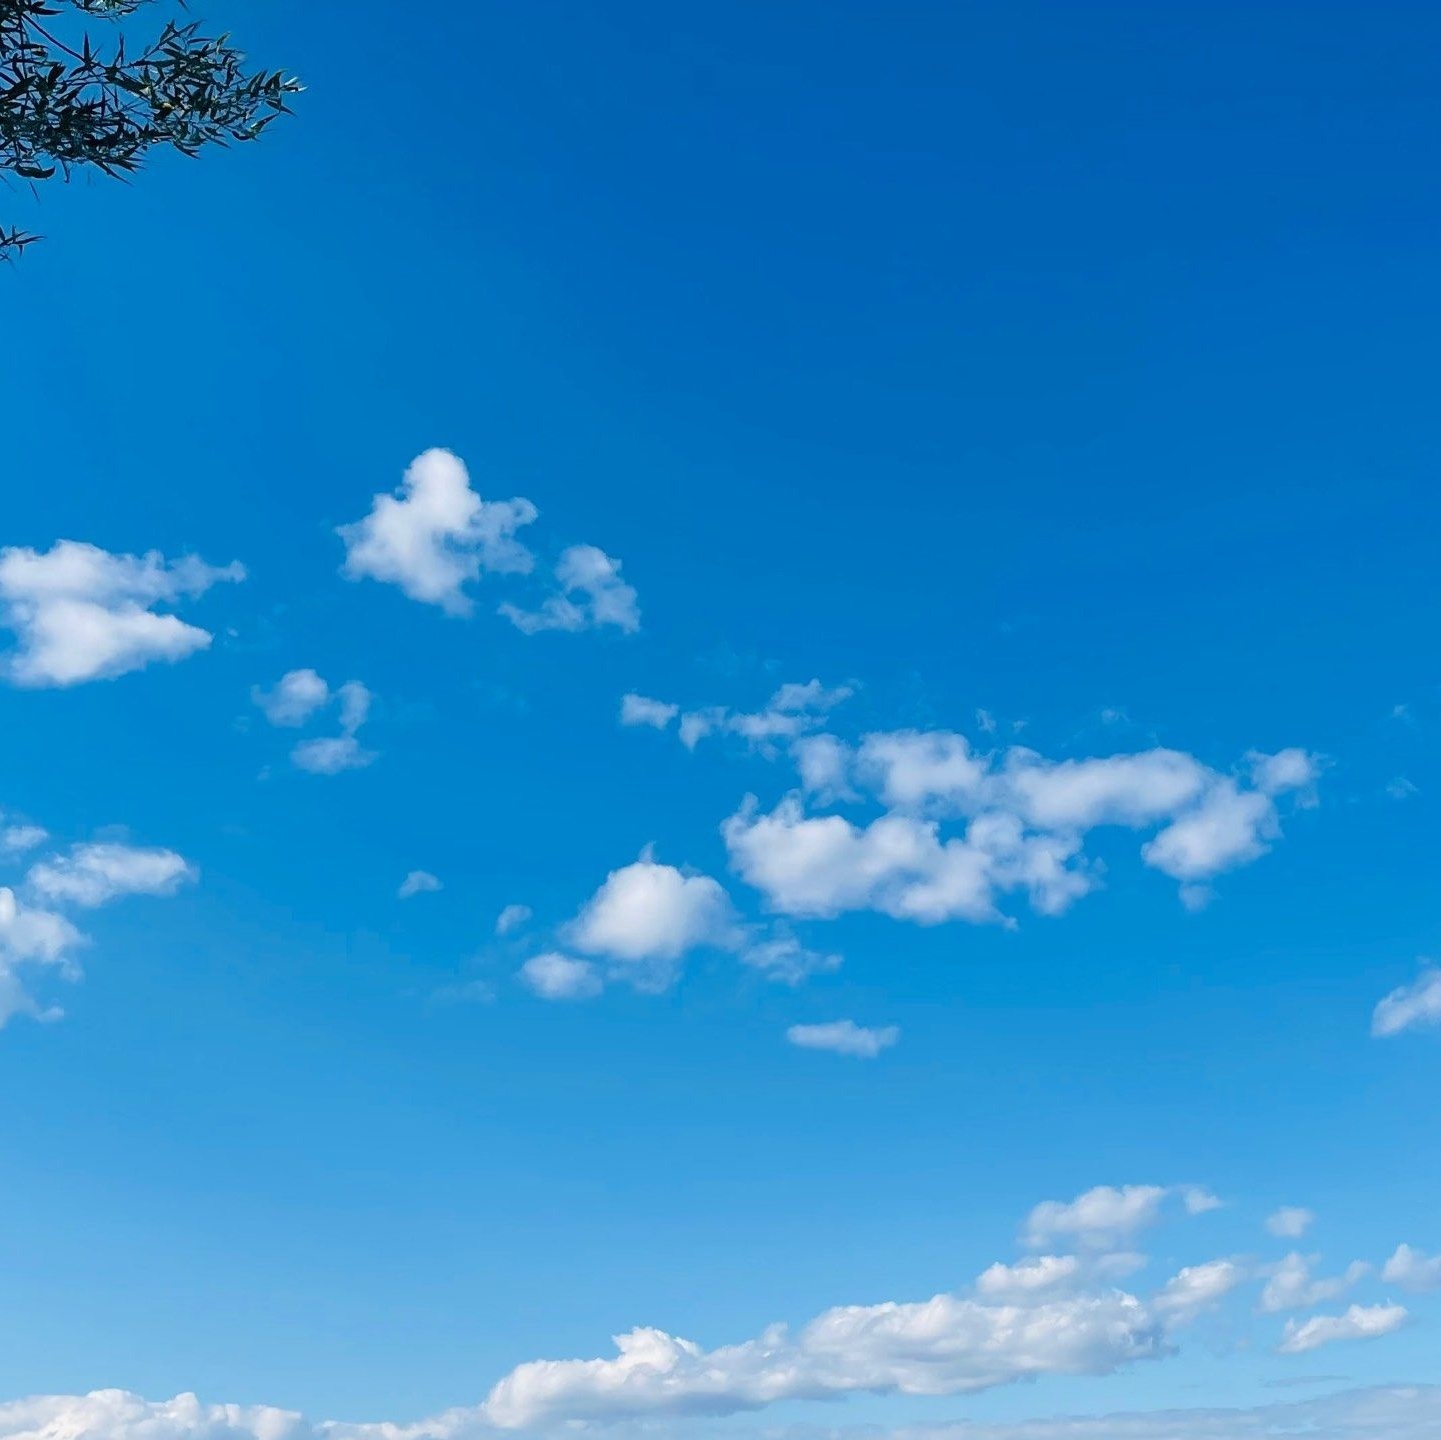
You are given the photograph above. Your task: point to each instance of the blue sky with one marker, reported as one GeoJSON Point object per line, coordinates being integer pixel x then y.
{"type": "Point", "coordinates": [1051, 385]}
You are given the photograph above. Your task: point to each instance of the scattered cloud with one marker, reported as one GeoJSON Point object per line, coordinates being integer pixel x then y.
{"type": "Point", "coordinates": [1291, 1286]}
{"type": "Point", "coordinates": [1410, 1007]}
{"type": "Point", "coordinates": [558, 977]}
{"type": "Point", "coordinates": [81, 613]}
{"type": "Point", "coordinates": [435, 535]}
{"type": "Point", "coordinates": [16, 839]}
{"type": "Point", "coordinates": [642, 710]}
{"type": "Point", "coordinates": [1290, 1222]}
{"type": "Point", "coordinates": [301, 694]}
{"type": "Point", "coordinates": [418, 882]}
{"type": "Point", "coordinates": [1196, 1288]}
{"type": "Point", "coordinates": [511, 918]}
{"type": "Point", "coordinates": [1412, 1270]}
{"type": "Point", "coordinates": [845, 1037]}
{"type": "Point", "coordinates": [95, 874]}
{"type": "Point", "coordinates": [293, 699]}
{"type": "Point", "coordinates": [591, 594]}
{"type": "Point", "coordinates": [1358, 1322]}
{"type": "Point", "coordinates": [779, 956]}
{"type": "Point", "coordinates": [1107, 1216]}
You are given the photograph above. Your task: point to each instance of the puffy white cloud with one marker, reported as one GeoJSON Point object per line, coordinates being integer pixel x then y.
{"type": "Point", "coordinates": [1358, 1322]}
{"type": "Point", "coordinates": [1107, 1215]}
{"type": "Point", "coordinates": [1290, 1222]}
{"type": "Point", "coordinates": [642, 710]}
{"type": "Point", "coordinates": [1291, 1286]}
{"type": "Point", "coordinates": [1040, 1275]}
{"type": "Point", "coordinates": [559, 977]}
{"type": "Point", "coordinates": [1291, 769]}
{"type": "Point", "coordinates": [1411, 1006]}
{"type": "Point", "coordinates": [81, 613]}
{"type": "Point", "coordinates": [592, 594]}
{"type": "Point", "coordinates": [511, 918]}
{"type": "Point", "coordinates": [418, 882]}
{"type": "Point", "coordinates": [944, 1346]}
{"type": "Point", "coordinates": [1196, 1288]}
{"type": "Point", "coordinates": [120, 1415]}
{"type": "Point", "coordinates": [845, 1037]}
{"type": "Point", "coordinates": [293, 699]}
{"type": "Point", "coordinates": [646, 916]}
{"type": "Point", "coordinates": [1024, 822]}
{"type": "Point", "coordinates": [1413, 1270]}
{"type": "Point", "coordinates": [435, 535]}
{"type": "Point", "coordinates": [94, 874]}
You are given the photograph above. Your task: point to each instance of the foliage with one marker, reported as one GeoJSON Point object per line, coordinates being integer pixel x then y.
{"type": "Point", "coordinates": [67, 103]}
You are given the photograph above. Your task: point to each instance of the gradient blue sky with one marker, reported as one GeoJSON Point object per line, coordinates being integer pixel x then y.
{"type": "Point", "coordinates": [1070, 363]}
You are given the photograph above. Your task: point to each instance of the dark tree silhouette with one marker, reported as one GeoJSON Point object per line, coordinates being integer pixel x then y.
{"type": "Point", "coordinates": [71, 101]}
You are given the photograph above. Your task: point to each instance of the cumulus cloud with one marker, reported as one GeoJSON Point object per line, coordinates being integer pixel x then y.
{"type": "Point", "coordinates": [948, 1345]}
{"type": "Point", "coordinates": [559, 977]}
{"type": "Point", "coordinates": [1410, 1007]}
{"type": "Point", "coordinates": [1291, 1286]}
{"type": "Point", "coordinates": [418, 882]}
{"type": "Point", "coordinates": [1107, 1216]}
{"type": "Point", "coordinates": [1038, 1275]}
{"type": "Point", "coordinates": [1290, 1222]}
{"type": "Point", "coordinates": [81, 613]}
{"type": "Point", "coordinates": [1358, 1322]}
{"type": "Point", "coordinates": [32, 938]}
{"type": "Point", "coordinates": [91, 875]}
{"type": "Point", "coordinates": [792, 711]}
{"type": "Point", "coordinates": [647, 915]}
{"type": "Point", "coordinates": [591, 594]}
{"type": "Point", "coordinates": [845, 1037]}
{"type": "Point", "coordinates": [16, 839]}
{"type": "Point", "coordinates": [1023, 821]}
{"type": "Point", "coordinates": [1413, 1270]}
{"type": "Point", "coordinates": [779, 956]}
{"type": "Point", "coordinates": [435, 535]}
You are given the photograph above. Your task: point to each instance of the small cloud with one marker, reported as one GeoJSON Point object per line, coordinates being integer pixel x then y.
{"type": "Point", "coordinates": [642, 710]}
{"type": "Point", "coordinates": [845, 1037]}
{"type": "Point", "coordinates": [95, 874]}
{"type": "Point", "coordinates": [1410, 1007]}
{"type": "Point", "coordinates": [1358, 1322]}
{"type": "Point", "coordinates": [1401, 788]}
{"type": "Point", "coordinates": [16, 839]}
{"type": "Point", "coordinates": [592, 594]}
{"type": "Point", "coordinates": [511, 918]}
{"type": "Point", "coordinates": [1290, 1222]}
{"type": "Point", "coordinates": [294, 698]}
{"type": "Point", "coordinates": [416, 883]}
{"type": "Point", "coordinates": [558, 977]}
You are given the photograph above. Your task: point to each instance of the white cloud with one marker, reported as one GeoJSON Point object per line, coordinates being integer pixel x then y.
{"type": "Point", "coordinates": [81, 613]}
{"type": "Point", "coordinates": [436, 535]}
{"type": "Point", "coordinates": [592, 594]}
{"type": "Point", "coordinates": [1106, 1216]}
{"type": "Point", "coordinates": [1290, 1222]}
{"type": "Point", "coordinates": [16, 839]}
{"type": "Point", "coordinates": [95, 874]}
{"type": "Point", "coordinates": [558, 977]}
{"type": "Point", "coordinates": [845, 1037]}
{"type": "Point", "coordinates": [294, 698]}
{"type": "Point", "coordinates": [511, 918]}
{"type": "Point", "coordinates": [646, 916]}
{"type": "Point", "coordinates": [332, 754]}
{"type": "Point", "coordinates": [944, 1346]}
{"type": "Point", "coordinates": [1291, 769]}
{"type": "Point", "coordinates": [1196, 1288]}
{"type": "Point", "coordinates": [1410, 1006]}
{"type": "Point", "coordinates": [418, 882]}
{"type": "Point", "coordinates": [32, 938]}
{"type": "Point", "coordinates": [1395, 1412]}
{"type": "Point", "coordinates": [1413, 1270]}
{"type": "Point", "coordinates": [1358, 1322]}
{"type": "Point", "coordinates": [782, 958]}
{"type": "Point", "coordinates": [1291, 1286]}
{"type": "Point", "coordinates": [1040, 1275]}
{"type": "Point", "coordinates": [1025, 819]}
{"type": "Point", "coordinates": [642, 710]}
